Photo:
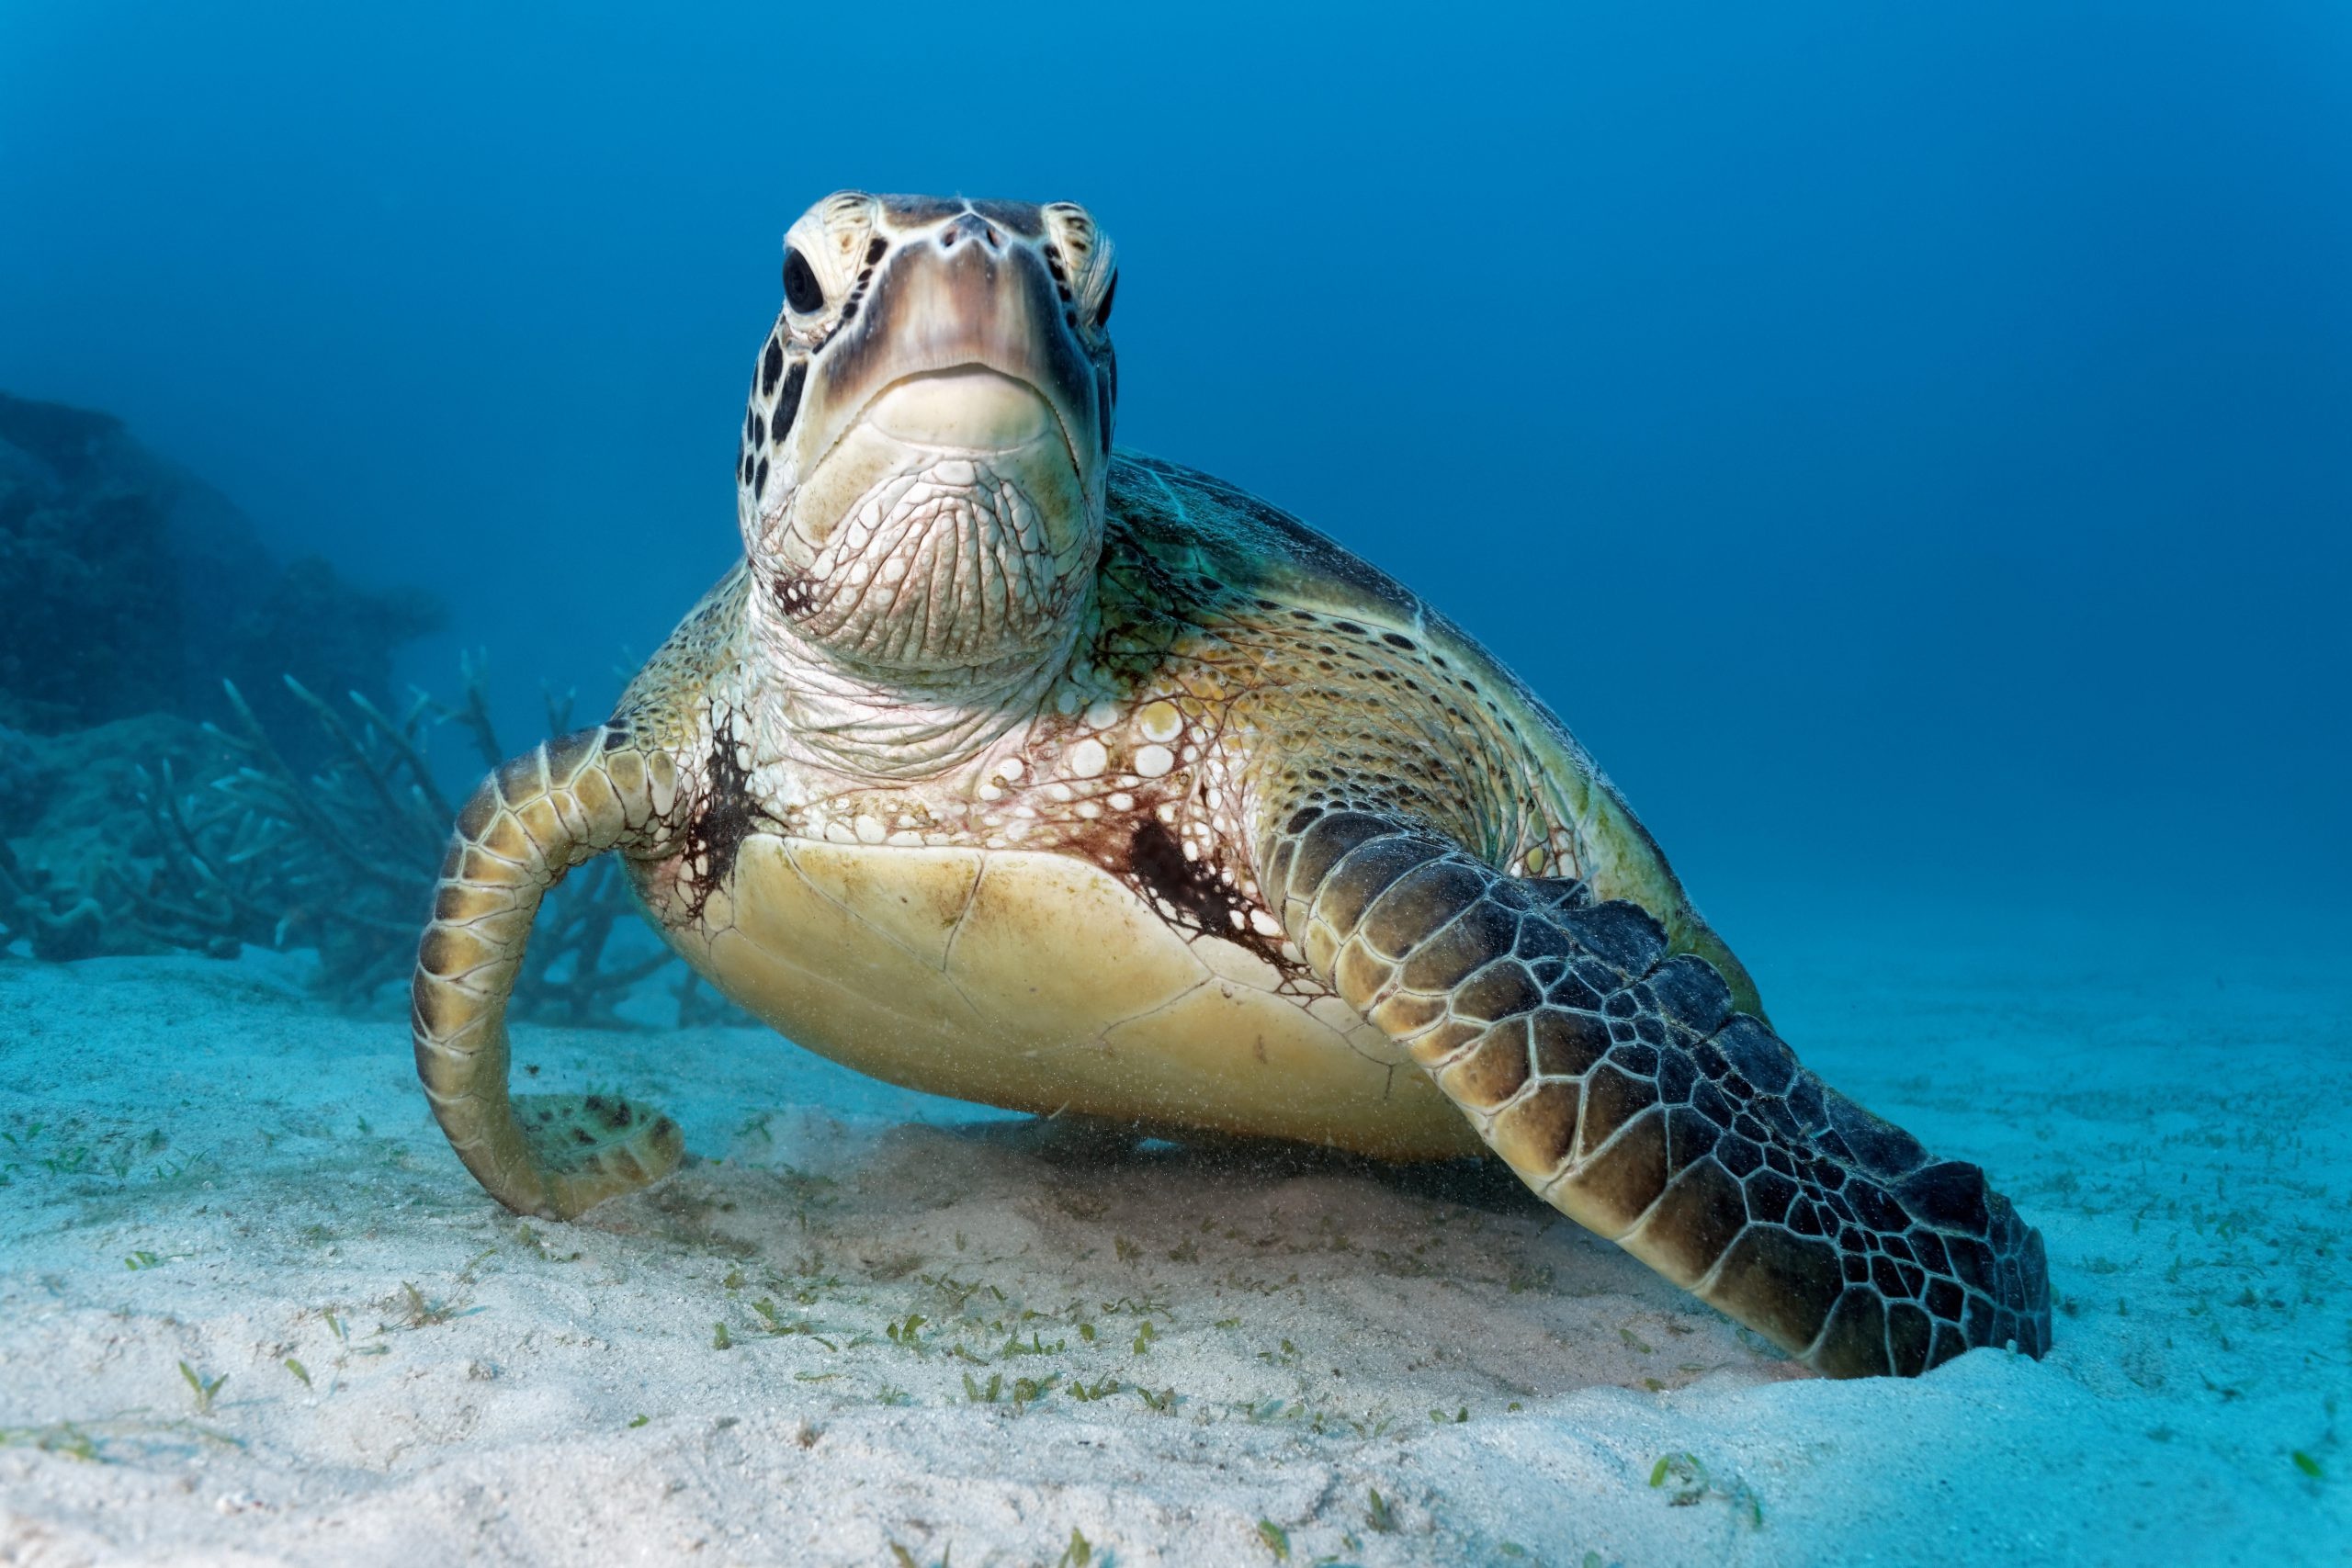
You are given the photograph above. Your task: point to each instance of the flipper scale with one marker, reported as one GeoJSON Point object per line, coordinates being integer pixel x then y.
{"type": "Point", "coordinates": [538, 816]}
{"type": "Point", "coordinates": [1631, 1095]}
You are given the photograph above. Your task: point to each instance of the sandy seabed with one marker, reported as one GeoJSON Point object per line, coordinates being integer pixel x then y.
{"type": "Point", "coordinates": [869, 1326]}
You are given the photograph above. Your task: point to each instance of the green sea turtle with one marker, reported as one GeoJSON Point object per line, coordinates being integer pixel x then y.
{"type": "Point", "coordinates": [1013, 767]}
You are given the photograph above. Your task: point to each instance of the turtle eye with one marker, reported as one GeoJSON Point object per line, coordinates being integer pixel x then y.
{"type": "Point", "coordinates": [1103, 312]}
{"type": "Point", "coordinates": [800, 287]}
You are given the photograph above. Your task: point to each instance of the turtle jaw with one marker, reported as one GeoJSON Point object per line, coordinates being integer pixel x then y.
{"type": "Point", "coordinates": [949, 427]}
{"type": "Point", "coordinates": [971, 409]}
{"type": "Point", "coordinates": [957, 295]}
{"type": "Point", "coordinates": [967, 550]}
{"type": "Point", "coordinates": [941, 504]}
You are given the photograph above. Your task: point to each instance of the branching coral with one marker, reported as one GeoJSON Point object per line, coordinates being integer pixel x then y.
{"type": "Point", "coordinates": [242, 846]}
{"type": "Point", "coordinates": [60, 921]}
{"type": "Point", "coordinates": [252, 851]}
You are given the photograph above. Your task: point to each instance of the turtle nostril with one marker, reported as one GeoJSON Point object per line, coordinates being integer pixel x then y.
{"type": "Point", "coordinates": [970, 226]}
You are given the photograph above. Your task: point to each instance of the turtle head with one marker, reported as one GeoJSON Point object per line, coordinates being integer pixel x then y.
{"type": "Point", "coordinates": [921, 483]}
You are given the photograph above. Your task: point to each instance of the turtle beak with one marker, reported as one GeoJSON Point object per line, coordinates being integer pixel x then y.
{"type": "Point", "coordinates": [961, 345]}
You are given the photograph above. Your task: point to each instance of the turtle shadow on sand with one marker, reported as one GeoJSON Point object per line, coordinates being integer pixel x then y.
{"type": "Point", "coordinates": [1321, 1258]}
{"type": "Point", "coordinates": [1077, 1144]}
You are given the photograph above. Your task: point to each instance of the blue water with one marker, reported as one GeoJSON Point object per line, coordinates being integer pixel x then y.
{"type": "Point", "coordinates": [1910, 445]}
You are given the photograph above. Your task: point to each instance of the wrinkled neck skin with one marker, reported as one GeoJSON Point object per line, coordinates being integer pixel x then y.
{"type": "Point", "coordinates": [916, 601]}
{"type": "Point", "coordinates": [826, 708]}
{"type": "Point", "coordinates": [922, 483]}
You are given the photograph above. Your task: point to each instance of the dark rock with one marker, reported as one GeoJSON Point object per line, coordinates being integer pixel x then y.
{"type": "Point", "coordinates": [90, 627]}
{"type": "Point", "coordinates": [327, 633]}
{"type": "Point", "coordinates": [132, 587]}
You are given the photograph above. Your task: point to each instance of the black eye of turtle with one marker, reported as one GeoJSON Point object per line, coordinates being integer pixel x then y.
{"type": "Point", "coordinates": [800, 289]}
{"type": "Point", "coordinates": [1103, 312]}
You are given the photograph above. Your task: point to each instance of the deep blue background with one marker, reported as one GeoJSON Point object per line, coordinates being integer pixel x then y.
{"type": "Point", "coordinates": [1912, 445]}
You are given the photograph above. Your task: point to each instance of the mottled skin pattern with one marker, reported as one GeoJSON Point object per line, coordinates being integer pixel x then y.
{"type": "Point", "coordinates": [967, 635]}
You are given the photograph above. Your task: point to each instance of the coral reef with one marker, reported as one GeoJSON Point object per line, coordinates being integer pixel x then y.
{"type": "Point", "coordinates": [69, 802]}
{"type": "Point", "coordinates": [92, 630]}
{"type": "Point", "coordinates": [169, 778]}
{"type": "Point", "coordinates": [158, 834]}
{"type": "Point", "coordinates": [133, 587]}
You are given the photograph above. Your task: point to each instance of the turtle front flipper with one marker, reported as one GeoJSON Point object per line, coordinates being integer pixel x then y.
{"type": "Point", "coordinates": [530, 822]}
{"type": "Point", "coordinates": [1619, 1082]}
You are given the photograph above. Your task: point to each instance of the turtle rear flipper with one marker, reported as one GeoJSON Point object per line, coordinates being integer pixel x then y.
{"type": "Point", "coordinates": [530, 822]}
{"type": "Point", "coordinates": [1619, 1082]}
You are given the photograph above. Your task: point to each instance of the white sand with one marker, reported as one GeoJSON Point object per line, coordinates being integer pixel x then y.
{"type": "Point", "coordinates": [2177, 1124]}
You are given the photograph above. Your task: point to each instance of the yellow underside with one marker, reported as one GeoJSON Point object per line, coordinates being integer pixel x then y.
{"type": "Point", "coordinates": [1040, 983]}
